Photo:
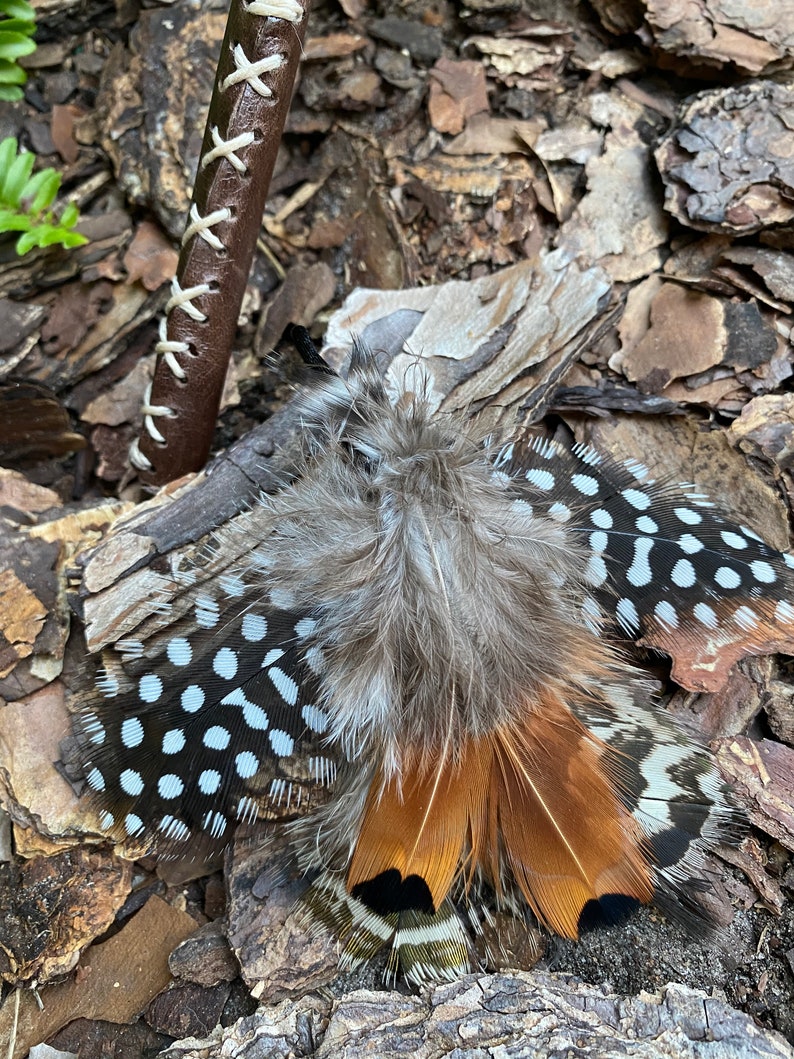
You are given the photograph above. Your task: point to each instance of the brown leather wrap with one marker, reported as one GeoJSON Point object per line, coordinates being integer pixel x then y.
{"type": "Point", "coordinates": [195, 400]}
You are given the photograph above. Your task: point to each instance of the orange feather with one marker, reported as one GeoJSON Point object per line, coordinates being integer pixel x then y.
{"type": "Point", "coordinates": [565, 834]}
{"type": "Point", "coordinates": [422, 823]}
{"type": "Point", "coordinates": [537, 802]}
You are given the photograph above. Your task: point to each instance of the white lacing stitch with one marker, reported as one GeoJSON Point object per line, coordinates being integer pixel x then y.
{"type": "Point", "coordinates": [226, 148]}
{"type": "Point", "coordinates": [167, 347]}
{"type": "Point", "coordinates": [201, 226]}
{"type": "Point", "coordinates": [150, 413]}
{"type": "Point", "coordinates": [182, 299]}
{"type": "Point", "coordinates": [248, 71]}
{"type": "Point", "coordinates": [137, 458]}
{"type": "Point", "coordinates": [286, 9]}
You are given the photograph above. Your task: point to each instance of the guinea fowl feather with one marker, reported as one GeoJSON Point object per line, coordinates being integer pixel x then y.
{"type": "Point", "coordinates": [416, 628]}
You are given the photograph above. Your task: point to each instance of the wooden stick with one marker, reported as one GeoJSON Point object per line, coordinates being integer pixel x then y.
{"type": "Point", "coordinates": [250, 101]}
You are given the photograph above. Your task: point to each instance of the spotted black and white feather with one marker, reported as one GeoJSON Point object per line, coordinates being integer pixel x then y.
{"type": "Point", "coordinates": [412, 648]}
{"type": "Point", "coordinates": [664, 566]}
{"type": "Point", "coordinates": [205, 725]}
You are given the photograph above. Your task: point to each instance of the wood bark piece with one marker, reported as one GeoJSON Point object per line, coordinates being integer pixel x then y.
{"type": "Point", "coordinates": [766, 425]}
{"type": "Point", "coordinates": [186, 1008]}
{"type": "Point", "coordinates": [779, 710]}
{"type": "Point", "coordinates": [89, 326]}
{"type": "Point", "coordinates": [762, 773]}
{"type": "Point", "coordinates": [457, 91]}
{"type": "Point", "coordinates": [523, 63]}
{"type": "Point", "coordinates": [684, 333]}
{"type": "Point", "coordinates": [247, 114]}
{"type": "Point", "coordinates": [519, 331]}
{"type": "Point", "coordinates": [700, 33]}
{"type": "Point", "coordinates": [18, 325]}
{"type": "Point", "coordinates": [626, 242]}
{"type": "Point", "coordinates": [118, 979]}
{"type": "Point", "coordinates": [775, 267]}
{"type": "Point", "coordinates": [34, 618]}
{"type": "Point", "coordinates": [279, 952]}
{"type": "Point", "coordinates": [51, 908]}
{"type": "Point", "coordinates": [752, 37]}
{"type": "Point", "coordinates": [727, 166]}
{"type": "Point", "coordinates": [43, 806]}
{"type": "Point", "coordinates": [750, 858]}
{"type": "Point", "coordinates": [152, 105]}
{"type": "Point", "coordinates": [304, 292]}
{"type": "Point", "coordinates": [521, 1015]}
{"type": "Point", "coordinates": [205, 957]}
{"type": "Point", "coordinates": [34, 425]}
{"type": "Point", "coordinates": [693, 341]}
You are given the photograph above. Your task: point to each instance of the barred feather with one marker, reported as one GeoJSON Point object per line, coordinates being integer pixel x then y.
{"type": "Point", "coordinates": [412, 647]}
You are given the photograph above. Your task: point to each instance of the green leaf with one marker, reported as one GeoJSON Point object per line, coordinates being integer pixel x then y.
{"type": "Point", "coordinates": [17, 28]}
{"type": "Point", "coordinates": [14, 45]}
{"type": "Point", "coordinates": [11, 74]}
{"type": "Point", "coordinates": [16, 177]}
{"type": "Point", "coordinates": [40, 191]}
{"type": "Point", "coordinates": [26, 201]}
{"type": "Point", "coordinates": [27, 241]}
{"type": "Point", "coordinates": [18, 25]}
{"type": "Point", "coordinates": [70, 239]}
{"type": "Point", "coordinates": [14, 222]}
{"type": "Point", "coordinates": [70, 216]}
{"type": "Point", "coordinates": [62, 237]}
{"type": "Point", "coordinates": [8, 152]}
{"type": "Point", "coordinates": [18, 9]}
{"type": "Point", "coordinates": [48, 235]}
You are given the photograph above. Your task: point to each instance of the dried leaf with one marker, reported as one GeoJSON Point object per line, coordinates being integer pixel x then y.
{"type": "Point", "coordinates": [150, 257]}
{"type": "Point", "coordinates": [62, 132]}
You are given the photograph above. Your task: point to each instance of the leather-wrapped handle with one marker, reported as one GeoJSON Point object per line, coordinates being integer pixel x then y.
{"type": "Point", "coordinates": [250, 100]}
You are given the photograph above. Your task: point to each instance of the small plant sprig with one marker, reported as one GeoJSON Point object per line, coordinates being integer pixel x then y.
{"type": "Point", "coordinates": [17, 27]}
{"type": "Point", "coordinates": [26, 201]}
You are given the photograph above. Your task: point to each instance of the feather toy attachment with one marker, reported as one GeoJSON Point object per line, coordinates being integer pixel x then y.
{"type": "Point", "coordinates": [412, 648]}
